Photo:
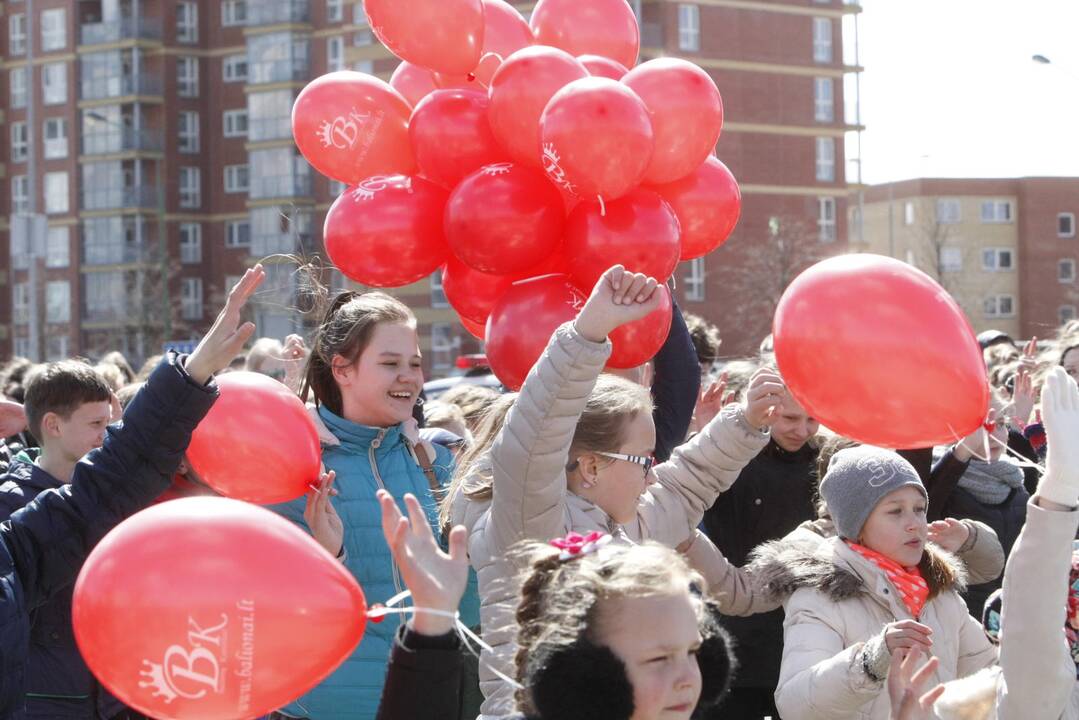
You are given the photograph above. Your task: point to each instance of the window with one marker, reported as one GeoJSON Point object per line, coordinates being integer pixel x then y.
{"type": "Point", "coordinates": [190, 243]}
{"type": "Point", "coordinates": [53, 29]}
{"type": "Point", "coordinates": [237, 179]}
{"type": "Point", "coordinates": [951, 259]}
{"type": "Point", "coordinates": [189, 131]}
{"type": "Point", "coordinates": [335, 53]}
{"type": "Point", "coordinates": [335, 11]}
{"type": "Point", "coordinates": [20, 194]}
{"type": "Point", "coordinates": [908, 213]}
{"type": "Point", "coordinates": [1066, 271]}
{"type": "Point", "coordinates": [233, 12]}
{"type": "Point", "coordinates": [191, 298]}
{"type": "Point", "coordinates": [826, 219]}
{"type": "Point", "coordinates": [999, 306]}
{"type": "Point", "coordinates": [364, 36]}
{"type": "Point", "coordinates": [278, 57]}
{"type": "Point", "coordinates": [58, 301]}
{"type": "Point", "coordinates": [996, 211]}
{"type": "Point", "coordinates": [235, 123]}
{"type": "Point", "coordinates": [823, 100]}
{"type": "Point", "coordinates": [996, 259]}
{"type": "Point", "coordinates": [55, 138]}
{"type": "Point", "coordinates": [694, 280]}
{"type": "Point", "coordinates": [106, 296]}
{"type": "Point", "coordinates": [337, 187]}
{"type": "Point", "coordinates": [21, 345]}
{"type": "Point", "coordinates": [17, 87]}
{"type": "Point", "coordinates": [187, 77]}
{"type": "Point", "coordinates": [826, 159]}
{"type": "Point", "coordinates": [16, 34]}
{"type": "Point", "coordinates": [1065, 224]}
{"type": "Point", "coordinates": [689, 27]}
{"type": "Point", "coordinates": [58, 247]}
{"type": "Point", "coordinates": [948, 211]}
{"type": "Point", "coordinates": [20, 143]}
{"type": "Point", "coordinates": [438, 296]}
{"type": "Point", "coordinates": [56, 347]}
{"type": "Point", "coordinates": [56, 193]}
{"type": "Point", "coordinates": [1065, 313]}
{"type": "Point", "coordinates": [190, 187]}
{"type": "Point", "coordinates": [54, 78]}
{"type": "Point", "coordinates": [238, 234]}
{"type": "Point", "coordinates": [443, 346]}
{"type": "Point", "coordinates": [20, 301]}
{"type": "Point", "coordinates": [187, 22]}
{"type": "Point", "coordinates": [364, 66]}
{"type": "Point", "coordinates": [822, 40]}
{"type": "Point", "coordinates": [234, 68]}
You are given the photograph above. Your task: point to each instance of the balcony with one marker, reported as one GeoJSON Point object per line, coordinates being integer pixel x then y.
{"type": "Point", "coordinates": [100, 88]}
{"type": "Point", "coordinates": [269, 128]}
{"type": "Point", "coordinates": [280, 186]}
{"type": "Point", "coordinates": [272, 13]}
{"type": "Point", "coordinates": [100, 33]}
{"type": "Point", "coordinates": [272, 71]}
{"type": "Point", "coordinates": [264, 245]}
{"type": "Point", "coordinates": [126, 140]}
{"type": "Point", "coordinates": [145, 197]}
{"type": "Point", "coordinates": [118, 252]}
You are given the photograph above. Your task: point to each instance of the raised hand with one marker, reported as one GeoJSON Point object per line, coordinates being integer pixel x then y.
{"type": "Point", "coordinates": [227, 336]}
{"type": "Point", "coordinates": [710, 402]}
{"type": "Point", "coordinates": [905, 686]}
{"type": "Point", "coordinates": [12, 418]}
{"type": "Point", "coordinates": [437, 580]}
{"type": "Point", "coordinates": [321, 516]}
{"type": "Point", "coordinates": [293, 357]}
{"type": "Point", "coordinates": [1060, 414]}
{"type": "Point", "coordinates": [1023, 392]}
{"type": "Point", "coordinates": [619, 297]}
{"type": "Point", "coordinates": [949, 533]}
{"type": "Point", "coordinates": [764, 398]}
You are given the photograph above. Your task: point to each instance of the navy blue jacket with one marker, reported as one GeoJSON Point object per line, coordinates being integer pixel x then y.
{"type": "Point", "coordinates": [43, 545]}
{"type": "Point", "coordinates": [676, 385]}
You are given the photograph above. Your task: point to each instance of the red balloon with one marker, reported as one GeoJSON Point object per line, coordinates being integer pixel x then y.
{"type": "Point", "coordinates": [639, 231]}
{"type": "Point", "coordinates": [413, 82]}
{"type": "Point", "coordinates": [879, 352]}
{"type": "Point", "coordinates": [597, 138]}
{"type": "Point", "coordinates": [440, 35]}
{"type": "Point", "coordinates": [473, 293]}
{"type": "Point", "coordinates": [505, 32]}
{"type": "Point", "coordinates": [707, 203]}
{"type": "Point", "coordinates": [387, 231]}
{"type": "Point", "coordinates": [592, 27]}
{"type": "Point", "coordinates": [475, 329]}
{"type": "Point", "coordinates": [215, 609]}
{"type": "Point", "coordinates": [451, 137]}
{"type": "Point", "coordinates": [599, 66]}
{"type": "Point", "coordinates": [272, 450]}
{"type": "Point", "coordinates": [520, 90]}
{"type": "Point", "coordinates": [686, 111]}
{"type": "Point", "coordinates": [504, 219]}
{"type": "Point", "coordinates": [351, 125]}
{"type": "Point", "coordinates": [638, 342]}
{"type": "Point", "coordinates": [522, 322]}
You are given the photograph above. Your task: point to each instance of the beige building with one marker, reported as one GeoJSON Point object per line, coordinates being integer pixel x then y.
{"type": "Point", "coordinates": [963, 233]}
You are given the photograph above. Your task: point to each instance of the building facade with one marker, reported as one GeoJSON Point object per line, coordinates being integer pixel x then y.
{"type": "Point", "coordinates": [1004, 249]}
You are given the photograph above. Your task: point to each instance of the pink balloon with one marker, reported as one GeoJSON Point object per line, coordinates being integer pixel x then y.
{"type": "Point", "coordinates": [441, 35]}
{"type": "Point", "coordinates": [597, 138]}
{"type": "Point", "coordinates": [599, 66]}
{"type": "Point", "coordinates": [686, 111]}
{"type": "Point", "coordinates": [589, 27]}
{"type": "Point", "coordinates": [413, 82]}
{"type": "Point", "coordinates": [520, 90]}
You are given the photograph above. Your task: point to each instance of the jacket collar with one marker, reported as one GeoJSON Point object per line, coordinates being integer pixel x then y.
{"type": "Point", "coordinates": [805, 454]}
{"type": "Point", "coordinates": [29, 475]}
{"type": "Point", "coordinates": [334, 430]}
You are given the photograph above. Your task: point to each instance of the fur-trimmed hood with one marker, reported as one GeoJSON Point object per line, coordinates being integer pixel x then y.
{"type": "Point", "coordinates": [831, 567]}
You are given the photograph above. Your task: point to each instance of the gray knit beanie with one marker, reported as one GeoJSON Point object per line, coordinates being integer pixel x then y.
{"type": "Point", "coordinates": [857, 479]}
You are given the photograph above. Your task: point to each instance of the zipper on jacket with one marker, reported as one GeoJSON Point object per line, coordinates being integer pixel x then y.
{"type": "Point", "coordinates": [397, 584]}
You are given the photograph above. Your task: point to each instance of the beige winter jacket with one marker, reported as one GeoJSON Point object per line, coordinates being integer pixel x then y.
{"type": "Point", "coordinates": [531, 502]}
{"type": "Point", "coordinates": [738, 590]}
{"type": "Point", "coordinates": [837, 602]}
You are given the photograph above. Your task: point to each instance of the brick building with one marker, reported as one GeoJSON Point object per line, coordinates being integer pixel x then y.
{"type": "Point", "coordinates": [1005, 249]}
{"type": "Point", "coordinates": [164, 161]}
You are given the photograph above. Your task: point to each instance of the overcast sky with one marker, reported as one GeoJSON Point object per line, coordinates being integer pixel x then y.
{"type": "Point", "coordinates": [949, 89]}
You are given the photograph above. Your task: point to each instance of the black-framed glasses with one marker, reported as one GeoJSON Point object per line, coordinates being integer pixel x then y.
{"type": "Point", "coordinates": [645, 461]}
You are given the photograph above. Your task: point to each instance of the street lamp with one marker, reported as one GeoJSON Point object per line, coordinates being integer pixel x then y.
{"type": "Point", "coordinates": [1041, 59]}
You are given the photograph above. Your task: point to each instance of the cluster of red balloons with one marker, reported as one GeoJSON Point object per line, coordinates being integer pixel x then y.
{"type": "Point", "coordinates": [503, 150]}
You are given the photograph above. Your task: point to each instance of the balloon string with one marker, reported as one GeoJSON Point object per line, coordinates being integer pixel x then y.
{"type": "Point", "coordinates": [602, 207]}
{"type": "Point", "coordinates": [463, 632]}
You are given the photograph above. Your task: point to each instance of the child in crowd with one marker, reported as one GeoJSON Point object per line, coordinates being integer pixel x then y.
{"type": "Point", "coordinates": [43, 545]}
{"type": "Point", "coordinates": [364, 372]}
{"type": "Point", "coordinates": [575, 454]}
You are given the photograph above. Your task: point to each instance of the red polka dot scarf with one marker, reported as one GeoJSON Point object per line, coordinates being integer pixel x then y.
{"type": "Point", "coordinates": [908, 582]}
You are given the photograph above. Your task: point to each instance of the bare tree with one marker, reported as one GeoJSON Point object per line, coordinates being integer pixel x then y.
{"type": "Point", "coordinates": [934, 250]}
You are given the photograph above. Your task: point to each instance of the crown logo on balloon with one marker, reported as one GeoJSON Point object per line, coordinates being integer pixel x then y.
{"type": "Point", "coordinates": [155, 678]}
{"type": "Point", "coordinates": [551, 160]}
{"type": "Point", "coordinates": [496, 169]}
{"type": "Point", "coordinates": [375, 184]}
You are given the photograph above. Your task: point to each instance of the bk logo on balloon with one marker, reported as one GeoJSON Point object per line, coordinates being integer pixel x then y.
{"type": "Point", "coordinates": [344, 130]}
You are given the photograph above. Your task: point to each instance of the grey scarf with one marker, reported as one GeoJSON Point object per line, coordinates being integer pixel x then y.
{"type": "Point", "coordinates": [991, 483]}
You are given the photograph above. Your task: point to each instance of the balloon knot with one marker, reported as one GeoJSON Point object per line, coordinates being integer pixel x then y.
{"type": "Point", "coordinates": [472, 77]}
{"type": "Point", "coordinates": [375, 615]}
{"type": "Point", "coordinates": [602, 207]}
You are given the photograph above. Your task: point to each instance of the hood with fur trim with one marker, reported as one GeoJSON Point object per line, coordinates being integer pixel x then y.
{"type": "Point", "coordinates": [783, 567]}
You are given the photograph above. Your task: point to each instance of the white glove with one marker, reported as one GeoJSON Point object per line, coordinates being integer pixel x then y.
{"type": "Point", "coordinates": [1060, 415]}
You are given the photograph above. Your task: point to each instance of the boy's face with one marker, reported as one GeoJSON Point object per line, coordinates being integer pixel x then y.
{"type": "Point", "coordinates": [80, 432]}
